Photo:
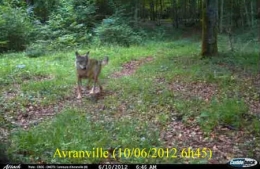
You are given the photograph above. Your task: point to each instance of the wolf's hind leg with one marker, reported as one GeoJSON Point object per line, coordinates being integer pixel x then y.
{"type": "Point", "coordinates": [99, 84]}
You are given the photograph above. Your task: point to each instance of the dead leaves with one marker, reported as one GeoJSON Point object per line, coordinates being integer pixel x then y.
{"type": "Point", "coordinates": [224, 142]}
{"type": "Point", "coordinates": [224, 145]}
{"type": "Point", "coordinates": [32, 115]}
{"type": "Point", "coordinates": [201, 90]}
{"type": "Point", "coordinates": [130, 67]}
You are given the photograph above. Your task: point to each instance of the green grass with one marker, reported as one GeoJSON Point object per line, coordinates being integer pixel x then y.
{"type": "Point", "coordinates": [76, 130]}
{"type": "Point", "coordinates": [227, 112]}
{"type": "Point", "coordinates": [137, 108]}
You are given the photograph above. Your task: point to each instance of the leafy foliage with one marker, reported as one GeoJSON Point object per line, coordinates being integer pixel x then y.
{"type": "Point", "coordinates": [36, 49]}
{"type": "Point", "coordinates": [42, 9]}
{"type": "Point", "coordinates": [68, 26]}
{"type": "Point", "coordinates": [114, 30]}
{"type": "Point", "coordinates": [15, 28]}
{"type": "Point", "coordinates": [84, 11]}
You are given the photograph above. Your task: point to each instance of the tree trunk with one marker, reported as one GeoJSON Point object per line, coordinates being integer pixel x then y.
{"type": "Point", "coordinates": [136, 14]}
{"type": "Point", "coordinates": [246, 14]}
{"type": "Point", "coordinates": [156, 10]}
{"type": "Point", "coordinates": [193, 10]}
{"type": "Point", "coordinates": [209, 28]}
{"type": "Point", "coordinates": [199, 9]}
{"type": "Point", "coordinates": [175, 17]}
{"type": "Point", "coordinates": [258, 16]}
{"type": "Point", "coordinates": [231, 14]}
{"type": "Point", "coordinates": [243, 19]}
{"type": "Point", "coordinates": [184, 13]}
{"type": "Point", "coordinates": [221, 16]}
{"type": "Point", "coordinates": [161, 10]}
{"type": "Point", "coordinates": [152, 13]}
{"type": "Point", "coordinates": [252, 13]}
{"type": "Point", "coordinates": [143, 16]}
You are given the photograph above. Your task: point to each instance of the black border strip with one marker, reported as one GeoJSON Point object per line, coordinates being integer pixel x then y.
{"type": "Point", "coordinates": [115, 166]}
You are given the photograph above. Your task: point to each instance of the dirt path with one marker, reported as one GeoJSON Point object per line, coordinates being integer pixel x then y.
{"type": "Point", "coordinates": [129, 68]}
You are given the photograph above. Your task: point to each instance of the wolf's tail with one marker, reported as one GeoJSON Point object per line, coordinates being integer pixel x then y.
{"type": "Point", "coordinates": [105, 61]}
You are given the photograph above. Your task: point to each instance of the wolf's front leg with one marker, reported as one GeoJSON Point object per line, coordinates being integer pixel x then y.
{"type": "Point", "coordinates": [93, 89]}
{"type": "Point", "coordinates": [79, 89]}
{"type": "Point", "coordinates": [88, 86]}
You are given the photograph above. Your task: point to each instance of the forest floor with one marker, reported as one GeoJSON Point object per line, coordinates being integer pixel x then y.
{"type": "Point", "coordinates": [159, 100]}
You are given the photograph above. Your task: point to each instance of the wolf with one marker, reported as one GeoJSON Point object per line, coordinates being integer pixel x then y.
{"type": "Point", "coordinates": [87, 68]}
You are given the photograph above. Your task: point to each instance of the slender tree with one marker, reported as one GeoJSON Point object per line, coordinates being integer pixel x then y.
{"type": "Point", "coordinates": [136, 10]}
{"type": "Point", "coordinates": [246, 14]}
{"type": "Point", "coordinates": [252, 13]}
{"type": "Point", "coordinates": [258, 17]}
{"type": "Point", "coordinates": [175, 14]}
{"type": "Point", "coordinates": [221, 16]}
{"type": "Point", "coordinates": [209, 27]}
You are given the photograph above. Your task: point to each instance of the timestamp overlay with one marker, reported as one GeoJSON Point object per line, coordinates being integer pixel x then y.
{"type": "Point", "coordinates": [205, 153]}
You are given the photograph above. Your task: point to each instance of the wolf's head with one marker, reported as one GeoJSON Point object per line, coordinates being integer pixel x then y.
{"type": "Point", "coordinates": [81, 61]}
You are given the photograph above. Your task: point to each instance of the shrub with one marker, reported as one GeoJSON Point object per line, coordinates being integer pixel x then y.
{"type": "Point", "coordinates": [36, 49]}
{"type": "Point", "coordinates": [68, 26]}
{"type": "Point", "coordinates": [114, 31]}
{"type": "Point", "coordinates": [15, 28]}
{"type": "Point", "coordinates": [42, 9]}
{"type": "Point", "coordinates": [84, 11]}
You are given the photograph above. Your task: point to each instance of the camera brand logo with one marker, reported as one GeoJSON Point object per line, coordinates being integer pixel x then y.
{"type": "Point", "coordinates": [242, 162]}
{"type": "Point", "coordinates": [8, 166]}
